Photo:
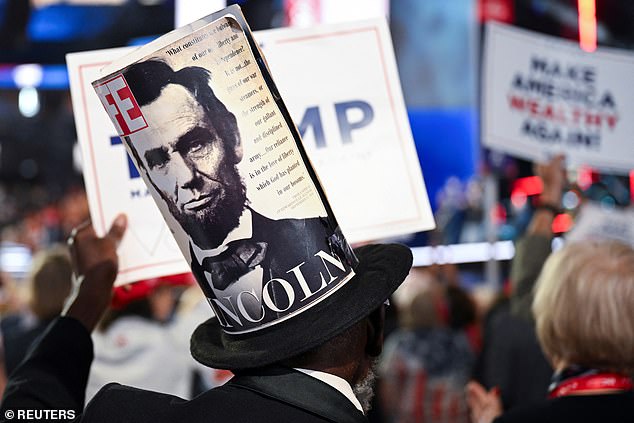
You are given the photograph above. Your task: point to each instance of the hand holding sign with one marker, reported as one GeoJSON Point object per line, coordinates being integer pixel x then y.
{"type": "Point", "coordinates": [95, 266]}
{"type": "Point", "coordinates": [553, 176]}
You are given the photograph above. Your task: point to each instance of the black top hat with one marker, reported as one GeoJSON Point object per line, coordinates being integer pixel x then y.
{"type": "Point", "coordinates": [381, 270]}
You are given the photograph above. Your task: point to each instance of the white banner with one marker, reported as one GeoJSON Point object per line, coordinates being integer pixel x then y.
{"type": "Point", "coordinates": [341, 86]}
{"type": "Point", "coordinates": [340, 83]}
{"type": "Point", "coordinates": [543, 95]}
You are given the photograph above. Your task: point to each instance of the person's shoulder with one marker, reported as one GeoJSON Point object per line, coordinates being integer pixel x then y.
{"type": "Point", "coordinates": [232, 402]}
{"type": "Point", "coordinates": [227, 403]}
{"type": "Point", "coordinates": [116, 402]}
{"type": "Point", "coordinates": [580, 408]}
{"type": "Point", "coordinates": [541, 411]}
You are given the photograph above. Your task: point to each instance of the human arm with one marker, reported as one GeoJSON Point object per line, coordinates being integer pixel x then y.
{"type": "Point", "coordinates": [96, 264]}
{"type": "Point", "coordinates": [534, 247]}
{"type": "Point", "coordinates": [553, 179]}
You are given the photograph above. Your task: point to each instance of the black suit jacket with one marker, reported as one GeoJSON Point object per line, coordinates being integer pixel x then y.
{"type": "Point", "coordinates": [55, 374]}
{"type": "Point", "coordinates": [612, 408]}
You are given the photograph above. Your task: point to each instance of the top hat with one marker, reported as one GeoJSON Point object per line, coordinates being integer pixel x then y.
{"type": "Point", "coordinates": [258, 233]}
{"type": "Point", "coordinates": [381, 269]}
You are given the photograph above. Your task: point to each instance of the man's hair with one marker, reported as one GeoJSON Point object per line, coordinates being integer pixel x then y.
{"type": "Point", "coordinates": [584, 305]}
{"type": "Point", "coordinates": [148, 78]}
{"type": "Point", "coordinates": [50, 282]}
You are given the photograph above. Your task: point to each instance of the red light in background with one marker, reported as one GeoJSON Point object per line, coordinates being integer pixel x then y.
{"type": "Point", "coordinates": [587, 25]}
{"type": "Point", "coordinates": [585, 177]}
{"type": "Point", "coordinates": [632, 186]}
{"type": "Point", "coordinates": [496, 10]}
{"type": "Point", "coordinates": [562, 223]}
{"type": "Point", "coordinates": [518, 199]}
{"type": "Point", "coordinates": [302, 12]}
{"type": "Point", "coordinates": [498, 214]}
{"type": "Point", "coordinates": [530, 185]}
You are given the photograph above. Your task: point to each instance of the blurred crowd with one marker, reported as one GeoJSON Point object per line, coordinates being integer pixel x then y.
{"type": "Point", "coordinates": [454, 352]}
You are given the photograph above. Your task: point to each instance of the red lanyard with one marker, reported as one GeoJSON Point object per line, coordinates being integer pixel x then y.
{"type": "Point", "coordinates": [592, 384]}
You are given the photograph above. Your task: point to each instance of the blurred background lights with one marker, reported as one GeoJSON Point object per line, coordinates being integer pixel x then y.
{"type": "Point", "coordinates": [28, 102]}
{"type": "Point", "coordinates": [587, 25]}
{"type": "Point", "coordinates": [570, 200]}
{"type": "Point", "coordinates": [28, 75]}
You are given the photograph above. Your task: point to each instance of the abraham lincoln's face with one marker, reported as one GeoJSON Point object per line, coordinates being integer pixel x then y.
{"type": "Point", "coordinates": [192, 166]}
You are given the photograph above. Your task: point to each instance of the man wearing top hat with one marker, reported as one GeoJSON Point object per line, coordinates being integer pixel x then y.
{"type": "Point", "coordinates": [254, 270]}
{"type": "Point", "coordinates": [302, 369]}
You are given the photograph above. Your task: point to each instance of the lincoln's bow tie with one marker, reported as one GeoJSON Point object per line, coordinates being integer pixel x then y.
{"type": "Point", "coordinates": [237, 260]}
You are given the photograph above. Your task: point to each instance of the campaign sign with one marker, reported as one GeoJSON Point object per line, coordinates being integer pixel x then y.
{"type": "Point", "coordinates": [543, 95]}
{"type": "Point", "coordinates": [113, 184]}
{"type": "Point", "coordinates": [342, 88]}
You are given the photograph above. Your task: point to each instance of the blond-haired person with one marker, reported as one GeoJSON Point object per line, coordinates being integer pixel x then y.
{"type": "Point", "coordinates": [49, 284]}
{"type": "Point", "coordinates": [584, 311]}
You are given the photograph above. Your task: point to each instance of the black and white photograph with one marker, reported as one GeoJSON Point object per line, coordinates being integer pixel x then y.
{"type": "Point", "coordinates": [230, 177]}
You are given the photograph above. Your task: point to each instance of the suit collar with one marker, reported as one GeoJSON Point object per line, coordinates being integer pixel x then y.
{"type": "Point", "coordinates": [300, 390]}
{"type": "Point", "coordinates": [336, 382]}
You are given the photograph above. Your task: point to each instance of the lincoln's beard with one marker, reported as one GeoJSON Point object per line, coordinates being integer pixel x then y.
{"type": "Point", "coordinates": [209, 227]}
{"type": "Point", "coordinates": [364, 389]}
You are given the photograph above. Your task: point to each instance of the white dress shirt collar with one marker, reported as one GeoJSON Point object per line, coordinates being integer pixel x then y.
{"type": "Point", "coordinates": [336, 382]}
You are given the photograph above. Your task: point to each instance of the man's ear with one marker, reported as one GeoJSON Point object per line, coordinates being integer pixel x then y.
{"type": "Point", "coordinates": [375, 327]}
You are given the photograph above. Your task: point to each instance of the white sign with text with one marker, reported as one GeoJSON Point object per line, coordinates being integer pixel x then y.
{"type": "Point", "coordinates": [543, 95]}
{"type": "Point", "coordinates": [341, 85]}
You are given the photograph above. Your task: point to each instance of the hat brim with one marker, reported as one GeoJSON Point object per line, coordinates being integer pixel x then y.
{"type": "Point", "coordinates": [381, 269]}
